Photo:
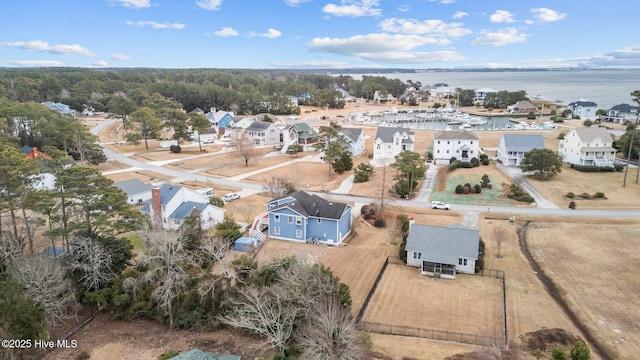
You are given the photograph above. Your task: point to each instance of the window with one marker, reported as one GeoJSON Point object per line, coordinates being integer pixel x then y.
{"type": "Point", "coordinates": [389, 147]}
{"type": "Point", "coordinates": [319, 221]}
{"type": "Point", "coordinates": [447, 151]}
{"type": "Point", "coordinates": [378, 146]}
{"type": "Point", "coordinates": [462, 261]}
{"type": "Point", "coordinates": [438, 151]}
{"type": "Point", "coordinates": [290, 219]}
{"type": "Point", "coordinates": [471, 142]}
{"type": "Point", "coordinates": [448, 142]}
{"type": "Point", "coordinates": [438, 142]}
{"type": "Point", "coordinates": [298, 220]}
{"type": "Point", "coordinates": [458, 142]}
{"type": "Point", "coordinates": [397, 141]}
{"type": "Point", "coordinates": [298, 233]}
{"type": "Point", "coordinates": [417, 255]}
{"type": "Point", "coordinates": [276, 218]}
{"type": "Point", "coordinates": [276, 230]}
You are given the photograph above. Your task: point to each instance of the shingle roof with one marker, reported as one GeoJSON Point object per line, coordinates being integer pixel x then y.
{"type": "Point", "coordinates": [582, 103]}
{"type": "Point", "coordinates": [524, 143]}
{"type": "Point", "coordinates": [167, 192]}
{"type": "Point", "coordinates": [460, 134]}
{"type": "Point", "coordinates": [312, 205]}
{"type": "Point", "coordinates": [133, 186]}
{"type": "Point", "coordinates": [591, 133]}
{"type": "Point", "coordinates": [624, 107]}
{"type": "Point", "coordinates": [186, 209]}
{"type": "Point", "coordinates": [258, 126]}
{"type": "Point", "coordinates": [352, 133]}
{"type": "Point", "coordinates": [443, 244]}
{"type": "Point", "coordinates": [386, 133]}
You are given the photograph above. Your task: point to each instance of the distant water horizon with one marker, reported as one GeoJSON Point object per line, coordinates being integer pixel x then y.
{"type": "Point", "coordinates": [606, 88]}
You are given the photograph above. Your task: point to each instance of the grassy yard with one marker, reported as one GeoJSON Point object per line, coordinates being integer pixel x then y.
{"type": "Point", "coordinates": [445, 189]}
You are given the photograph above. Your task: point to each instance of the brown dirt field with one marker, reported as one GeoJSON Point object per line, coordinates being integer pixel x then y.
{"type": "Point", "coordinates": [405, 298]}
{"type": "Point", "coordinates": [404, 348]}
{"type": "Point", "coordinates": [313, 176]}
{"type": "Point", "coordinates": [610, 183]}
{"type": "Point", "coordinates": [143, 175]}
{"type": "Point", "coordinates": [596, 269]}
{"type": "Point", "coordinates": [106, 338]}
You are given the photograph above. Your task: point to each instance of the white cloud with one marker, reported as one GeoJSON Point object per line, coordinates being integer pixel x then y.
{"type": "Point", "coordinates": [367, 46]}
{"type": "Point", "coordinates": [295, 3]}
{"type": "Point", "coordinates": [271, 34]}
{"type": "Point", "coordinates": [426, 27]}
{"type": "Point", "coordinates": [312, 64]}
{"type": "Point", "coordinates": [501, 16]}
{"type": "Point", "coordinates": [100, 63]}
{"type": "Point", "coordinates": [354, 8]}
{"type": "Point", "coordinates": [42, 46]}
{"type": "Point", "coordinates": [136, 4]}
{"type": "Point", "coordinates": [225, 32]}
{"type": "Point", "coordinates": [499, 38]}
{"type": "Point", "coordinates": [156, 25]}
{"type": "Point", "coordinates": [37, 63]}
{"type": "Point", "coordinates": [547, 15]}
{"type": "Point", "coordinates": [209, 4]}
{"type": "Point", "coordinates": [620, 58]}
{"type": "Point", "coordinates": [121, 57]}
{"type": "Point", "coordinates": [460, 14]}
{"type": "Point", "coordinates": [422, 57]}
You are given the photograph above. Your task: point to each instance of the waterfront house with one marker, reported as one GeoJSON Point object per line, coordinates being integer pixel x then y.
{"type": "Point", "coordinates": [171, 205]}
{"type": "Point", "coordinates": [482, 93]}
{"type": "Point", "coordinates": [355, 139]}
{"type": "Point", "coordinates": [512, 147]}
{"type": "Point", "coordinates": [522, 107]}
{"type": "Point", "coordinates": [463, 145]}
{"type": "Point", "coordinates": [443, 251]}
{"type": "Point", "coordinates": [621, 113]}
{"type": "Point", "coordinates": [391, 141]}
{"type": "Point", "coordinates": [583, 109]}
{"type": "Point", "coordinates": [305, 217]}
{"type": "Point", "coordinates": [264, 133]}
{"type": "Point", "coordinates": [588, 146]}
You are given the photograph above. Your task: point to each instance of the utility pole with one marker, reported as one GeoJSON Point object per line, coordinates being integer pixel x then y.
{"type": "Point", "coordinates": [633, 133]}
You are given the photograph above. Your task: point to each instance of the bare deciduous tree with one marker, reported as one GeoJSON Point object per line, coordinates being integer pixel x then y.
{"type": "Point", "coordinates": [330, 334]}
{"type": "Point", "coordinates": [500, 236]}
{"type": "Point", "coordinates": [244, 144]}
{"type": "Point", "coordinates": [45, 284]}
{"type": "Point", "coordinates": [278, 185]}
{"type": "Point", "coordinates": [90, 263]}
{"type": "Point", "coordinates": [245, 211]}
{"type": "Point", "coordinates": [164, 258]}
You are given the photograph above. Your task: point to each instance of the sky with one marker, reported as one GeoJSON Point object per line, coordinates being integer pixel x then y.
{"type": "Point", "coordinates": [308, 34]}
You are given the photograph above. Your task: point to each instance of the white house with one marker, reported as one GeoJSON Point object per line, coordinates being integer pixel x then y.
{"type": "Point", "coordinates": [512, 147]}
{"type": "Point", "coordinates": [345, 95]}
{"type": "Point", "coordinates": [462, 144]}
{"type": "Point", "coordinates": [583, 109]}
{"type": "Point", "coordinates": [356, 140]}
{"type": "Point", "coordinates": [59, 107]}
{"type": "Point", "coordinates": [137, 191]}
{"type": "Point", "coordinates": [443, 251]}
{"type": "Point", "coordinates": [588, 146]}
{"type": "Point", "coordinates": [621, 113]}
{"type": "Point", "coordinates": [391, 141]}
{"type": "Point", "coordinates": [170, 205]}
{"type": "Point", "coordinates": [482, 93]}
{"type": "Point", "coordinates": [264, 133]}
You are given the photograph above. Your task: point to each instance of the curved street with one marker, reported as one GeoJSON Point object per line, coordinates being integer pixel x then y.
{"type": "Point", "coordinates": [544, 207]}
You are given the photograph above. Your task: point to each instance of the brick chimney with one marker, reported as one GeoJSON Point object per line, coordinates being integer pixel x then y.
{"type": "Point", "coordinates": [156, 208]}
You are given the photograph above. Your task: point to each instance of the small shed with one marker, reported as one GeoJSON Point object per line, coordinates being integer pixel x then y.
{"type": "Point", "coordinates": [246, 244]}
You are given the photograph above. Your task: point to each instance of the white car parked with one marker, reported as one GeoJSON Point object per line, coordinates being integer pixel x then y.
{"type": "Point", "coordinates": [440, 205]}
{"type": "Point", "coordinates": [231, 197]}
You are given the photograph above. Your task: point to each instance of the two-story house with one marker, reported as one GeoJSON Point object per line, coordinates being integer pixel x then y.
{"type": "Point", "coordinates": [512, 147]}
{"type": "Point", "coordinates": [137, 192]}
{"type": "Point", "coordinates": [264, 133]}
{"type": "Point", "coordinates": [219, 119]}
{"type": "Point", "coordinates": [443, 251]}
{"type": "Point", "coordinates": [391, 141]}
{"type": "Point", "coordinates": [355, 139]}
{"type": "Point", "coordinates": [482, 93]}
{"type": "Point", "coordinates": [305, 217]}
{"type": "Point", "coordinates": [588, 146]}
{"type": "Point", "coordinates": [299, 133]}
{"type": "Point", "coordinates": [171, 205]}
{"type": "Point", "coordinates": [583, 109]}
{"type": "Point", "coordinates": [463, 145]}
{"type": "Point", "coordinates": [621, 113]}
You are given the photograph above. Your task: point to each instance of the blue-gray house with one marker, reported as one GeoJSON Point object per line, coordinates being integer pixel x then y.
{"type": "Point", "coordinates": [305, 217]}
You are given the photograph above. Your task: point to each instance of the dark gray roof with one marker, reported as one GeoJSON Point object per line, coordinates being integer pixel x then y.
{"type": "Point", "coordinates": [455, 135]}
{"type": "Point", "coordinates": [386, 133]}
{"type": "Point", "coordinates": [443, 244]}
{"type": "Point", "coordinates": [258, 126]}
{"type": "Point", "coordinates": [186, 209]}
{"type": "Point", "coordinates": [624, 108]}
{"type": "Point", "coordinates": [518, 142]}
{"type": "Point", "coordinates": [352, 133]}
{"type": "Point", "coordinates": [133, 186]}
{"type": "Point", "coordinates": [582, 103]}
{"type": "Point", "coordinates": [313, 205]}
{"type": "Point", "coordinates": [26, 149]}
